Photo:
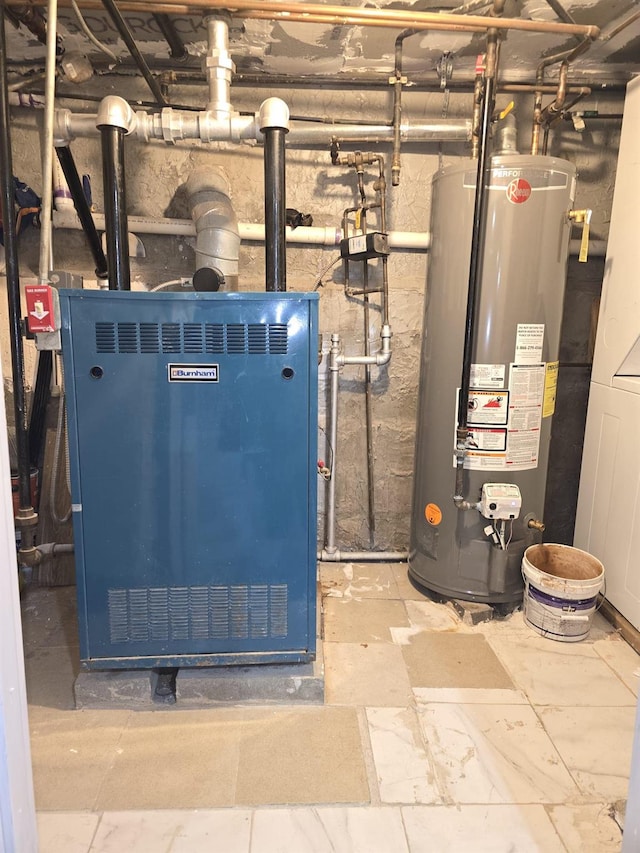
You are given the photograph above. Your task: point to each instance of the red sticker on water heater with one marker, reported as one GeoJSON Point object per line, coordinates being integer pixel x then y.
{"type": "Point", "coordinates": [518, 191]}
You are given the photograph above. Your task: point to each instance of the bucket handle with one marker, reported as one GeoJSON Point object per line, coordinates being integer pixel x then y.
{"type": "Point", "coordinates": [602, 594]}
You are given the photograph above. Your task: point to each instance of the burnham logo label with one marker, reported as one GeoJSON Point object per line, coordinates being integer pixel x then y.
{"type": "Point", "coordinates": [193, 372]}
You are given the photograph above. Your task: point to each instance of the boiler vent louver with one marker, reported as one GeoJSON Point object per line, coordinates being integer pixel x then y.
{"type": "Point", "coordinates": [192, 338]}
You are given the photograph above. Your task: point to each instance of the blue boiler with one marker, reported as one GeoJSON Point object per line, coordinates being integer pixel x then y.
{"type": "Point", "coordinates": [192, 422]}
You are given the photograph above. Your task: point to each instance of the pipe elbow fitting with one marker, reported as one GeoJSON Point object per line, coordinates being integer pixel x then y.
{"type": "Point", "coordinates": [384, 357]}
{"type": "Point", "coordinates": [115, 112]}
{"type": "Point", "coordinates": [62, 134]}
{"type": "Point", "coordinates": [273, 113]}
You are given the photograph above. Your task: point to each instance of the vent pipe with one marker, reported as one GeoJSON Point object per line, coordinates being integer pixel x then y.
{"type": "Point", "coordinates": [274, 124]}
{"type": "Point", "coordinates": [217, 236]}
{"type": "Point", "coordinates": [114, 120]}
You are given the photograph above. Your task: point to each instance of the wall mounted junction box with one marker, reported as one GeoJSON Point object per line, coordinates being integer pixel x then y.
{"type": "Point", "coordinates": [192, 437]}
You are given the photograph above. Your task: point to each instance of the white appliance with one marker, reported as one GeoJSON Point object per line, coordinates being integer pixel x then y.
{"type": "Point", "coordinates": [608, 515]}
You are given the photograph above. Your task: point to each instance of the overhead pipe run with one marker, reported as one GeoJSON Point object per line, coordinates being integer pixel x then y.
{"type": "Point", "coordinates": [113, 120]}
{"type": "Point", "coordinates": [365, 16]}
{"type": "Point", "coordinates": [172, 125]}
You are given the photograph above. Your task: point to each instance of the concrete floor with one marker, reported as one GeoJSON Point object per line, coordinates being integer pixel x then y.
{"type": "Point", "coordinates": [435, 736]}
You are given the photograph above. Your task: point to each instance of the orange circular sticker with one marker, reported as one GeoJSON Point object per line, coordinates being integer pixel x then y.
{"type": "Point", "coordinates": [433, 514]}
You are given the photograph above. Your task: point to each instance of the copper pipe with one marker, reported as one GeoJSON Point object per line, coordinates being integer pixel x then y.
{"type": "Point", "coordinates": [545, 88]}
{"type": "Point", "coordinates": [316, 13]}
{"type": "Point", "coordinates": [566, 56]}
{"type": "Point", "coordinates": [478, 90]}
{"type": "Point", "coordinates": [607, 35]}
{"type": "Point", "coordinates": [550, 112]}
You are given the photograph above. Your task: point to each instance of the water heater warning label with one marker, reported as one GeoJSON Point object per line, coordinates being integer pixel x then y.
{"type": "Point", "coordinates": [487, 408]}
{"type": "Point", "coordinates": [529, 340]}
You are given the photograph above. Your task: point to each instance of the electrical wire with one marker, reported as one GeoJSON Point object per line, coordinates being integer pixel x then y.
{"type": "Point", "coordinates": [318, 282]}
{"type": "Point", "coordinates": [323, 431]}
{"type": "Point", "coordinates": [85, 29]}
{"type": "Point", "coordinates": [510, 536]}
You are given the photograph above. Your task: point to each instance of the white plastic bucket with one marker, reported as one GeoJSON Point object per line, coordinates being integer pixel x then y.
{"type": "Point", "coordinates": [561, 586]}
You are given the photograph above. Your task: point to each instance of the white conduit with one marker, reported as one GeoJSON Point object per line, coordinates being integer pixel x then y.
{"type": "Point", "coordinates": [249, 231]}
{"type": "Point", "coordinates": [47, 146]}
{"type": "Point", "coordinates": [254, 232]}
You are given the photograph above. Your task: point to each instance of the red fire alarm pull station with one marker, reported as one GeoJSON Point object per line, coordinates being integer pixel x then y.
{"type": "Point", "coordinates": [41, 308]}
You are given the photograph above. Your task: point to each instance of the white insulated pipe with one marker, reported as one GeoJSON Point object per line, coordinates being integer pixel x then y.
{"type": "Point", "coordinates": [249, 231]}
{"type": "Point", "coordinates": [253, 232]}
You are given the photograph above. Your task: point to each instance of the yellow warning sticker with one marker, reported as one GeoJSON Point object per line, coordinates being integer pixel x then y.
{"type": "Point", "coordinates": [433, 514]}
{"type": "Point", "coordinates": [550, 388]}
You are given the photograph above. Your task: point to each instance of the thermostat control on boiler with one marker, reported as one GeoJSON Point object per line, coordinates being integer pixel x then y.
{"type": "Point", "coordinates": [500, 500]}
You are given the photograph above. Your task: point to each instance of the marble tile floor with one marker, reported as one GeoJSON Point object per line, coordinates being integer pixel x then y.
{"type": "Point", "coordinates": [434, 736]}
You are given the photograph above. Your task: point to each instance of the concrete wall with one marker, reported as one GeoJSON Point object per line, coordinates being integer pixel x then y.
{"type": "Point", "coordinates": [155, 174]}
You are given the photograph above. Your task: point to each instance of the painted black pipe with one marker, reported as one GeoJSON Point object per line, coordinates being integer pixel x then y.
{"type": "Point", "coordinates": [115, 208]}
{"type": "Point", "coordinates": [126, 36]}
{"type": "Point", "coordinates": [13, 281]}
{"type": "Point", "coordinates": [475, 268]}
{"type": "Point", "coordinates": [275, 208]}
{"type": "Point", "coordinates": [477, 234]}
{"type": "Point", "coordinates": [67, 163]}
{"type": "Point", "coordinates": [38, 414]}
{"type": "Point", "coordinates": [167, 28]}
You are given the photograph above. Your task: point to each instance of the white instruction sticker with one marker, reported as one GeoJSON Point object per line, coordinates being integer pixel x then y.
{"type": "Point", "coordinates": [487, 375]}
{"type": "Point", "coordinates": [526, 386]}
{"type": "Point", "coordinates": [529, 340]}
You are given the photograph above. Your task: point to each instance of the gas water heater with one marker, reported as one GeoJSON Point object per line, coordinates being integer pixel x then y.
{"type": "Point", "coordinates": [475, 554]}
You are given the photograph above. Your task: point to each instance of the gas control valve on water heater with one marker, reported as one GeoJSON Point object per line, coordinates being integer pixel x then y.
{"type": "Point", "coordinates": [475, 554]}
